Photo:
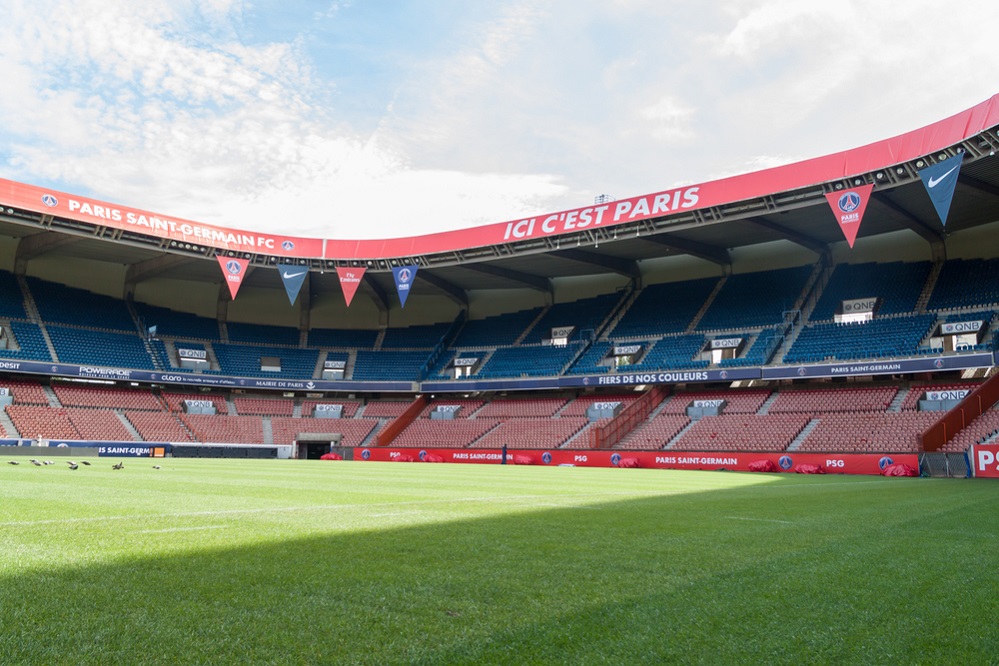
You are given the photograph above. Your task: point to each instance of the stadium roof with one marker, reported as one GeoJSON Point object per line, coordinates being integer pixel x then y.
{"type": "Point", "coordinates": [706, 221]}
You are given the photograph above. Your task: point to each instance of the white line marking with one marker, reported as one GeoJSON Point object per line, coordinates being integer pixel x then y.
{"type": "Point", "coordinates": [183, 529]}
{"type": "Point", "coordinates": [761, 520]}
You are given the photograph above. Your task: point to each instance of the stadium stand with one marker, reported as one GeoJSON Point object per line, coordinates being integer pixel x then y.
{"type": "Point", "coordinates": [742, 432]}
{"type": "Point", "coordinates": [260, 334]}
{"type": "Point", "coordinates": [353, 431]}
{"type": "Point", "coordinates": [245, 360]}
{"type": "Point", "coordinates": [586, 314]}
{"type": "Point", "coordinates": [882, 337]}
{"type": "Point", "coordinates": [101, 348]}
{"type": "Point", "coordinates": [60, 304]}
{"type": "Point", "coordinates": [752, 300]}
{"type": "Point", "coordinates": [503, 408]}
{"type": "Point", "coordinates": [31, 341]}
{"type": "Point", "coordinates": [531, 433]}
{"type": "Point", "coordinates": [814, 401]}
{"type": "Point", "coordinates": [897, 284]}
{"type": "Point", "coordinates": [674, 352]}
{"type": "Point", "coordinates": [967, 284]}
{"type": "Point", "coordinates": [497, 331]}
{"type": "Point", "coordinates": [227, 429]}
{"type": "Point", "coordinates": [173, 324]}
{"type": "Point", "coordinates": [388, 365]}
{"type": "Point", "coordinates": [662, 309]}
{"type": "Point", "coordinates": [263, 406]}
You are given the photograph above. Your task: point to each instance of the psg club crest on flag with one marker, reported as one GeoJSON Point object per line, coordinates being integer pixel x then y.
{"type": "Point", "coordinates": [940, 180]}
{"type": "Point", "coordinates": [234, 270]}
{"type": "Point", "coordinates": [292, 276]}
{"type": "Point", "coordinates": [849, 207]}
{"type": "Point", "coordinates": [404, 276]}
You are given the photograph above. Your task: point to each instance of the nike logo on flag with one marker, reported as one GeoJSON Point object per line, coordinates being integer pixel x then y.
{"type": "Point", "coordinates": [287, 276]}
{"type": "Point", "coordinates": [933, 182]}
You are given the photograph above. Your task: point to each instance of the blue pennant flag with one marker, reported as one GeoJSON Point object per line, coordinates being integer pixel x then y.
{"type": "Point", "coordinates": [940, 179]}
{"type": "Point", "coordinates": [403, 280]}
{"type": "Point", "coordinates": [293, 276]}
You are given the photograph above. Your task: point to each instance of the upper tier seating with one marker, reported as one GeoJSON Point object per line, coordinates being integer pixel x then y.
{"type": "Point", "coordinates": [11, 298]}
{"type": "Point", "coordinates": [86, 347]}
{"type": "Point", "coordinates": [664, 308]}
{"type": "Point", "coordinates": [29, 337]}
{"type": "Point", "coordinates": [897, 284]}
{"type": "Point", "coordinates": [173, 324]}
{"type": "Point", "coordinates": [388, 365]}
{"type": "Point", "coordinates": [498, 331]}
{"type": "Point", "coordinates": [674, 352]}
{"type": "Point", "coordinates": [760, 352]}
{"type": "Point", "coordinates": [966, 283]}
{"type": "Point", "coordinates": [593, 360]}
{"type": "Point", "coordinates": [260, 334]}
{"type": "Point", "coordinates": [342, 338]}
{"type": "Point", "coordinates": [882, 337]}
{"type": "Point", "coordinates": [60, 304]}
{"type": "Point", "coordinates": [584, 314]}
{"type": "Point", "coordinates": [540, 361]}
{"type": "Point", "coordinates": [414, 337]}
{"type": "Point", "coordinates": [244, 361]}
{"type": "Point", "coordinates": [750, 300]}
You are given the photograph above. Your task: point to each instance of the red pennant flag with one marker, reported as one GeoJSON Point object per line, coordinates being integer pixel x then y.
{"type": "Point", "coordinates": [848, 206]}
{"type": "Point", "coordinates": [350, 280]}
{"type": "Point", "coordinates": [234, 270]}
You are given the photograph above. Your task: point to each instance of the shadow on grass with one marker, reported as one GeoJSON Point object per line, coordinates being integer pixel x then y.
{"type": "Point", "coordinates": [733, 576]}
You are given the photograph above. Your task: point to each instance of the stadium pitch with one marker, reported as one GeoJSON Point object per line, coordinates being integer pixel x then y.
{"type": "Point", "coordinates": [301, 562]}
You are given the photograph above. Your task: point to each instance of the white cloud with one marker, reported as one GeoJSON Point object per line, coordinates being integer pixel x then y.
{"type": "Point", "coordinates": [516, 110]}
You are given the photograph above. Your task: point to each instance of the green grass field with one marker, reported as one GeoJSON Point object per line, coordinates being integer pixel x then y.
{"type": "Point", "coordinates": [296, 562]}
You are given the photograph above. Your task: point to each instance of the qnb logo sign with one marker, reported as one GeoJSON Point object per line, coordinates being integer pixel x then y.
{"type": "Point", "coordinates": [50, 200]}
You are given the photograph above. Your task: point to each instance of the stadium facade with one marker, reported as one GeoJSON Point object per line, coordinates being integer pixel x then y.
{"type": "Point", "coordinates": [838, 312]}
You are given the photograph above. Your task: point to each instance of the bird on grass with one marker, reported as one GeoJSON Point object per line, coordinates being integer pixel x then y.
{"type": "Point", "coordinates": [73, 465]}
{"type": "Point", "coordinates": [85, 463]}
{"type": "Point", "coordinates": [156, 466]}
{"type": "Point", "coordinates": [120, 465]}
{"type": "Point", "coordinates": [13, 462]}
{"type": "Point", "coordinates": [50, 462]}
{"type": "Point", "coordinates": [35, 463]}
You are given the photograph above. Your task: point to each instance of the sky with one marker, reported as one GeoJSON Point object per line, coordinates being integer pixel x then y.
{"type": "Point", "coordinates": [387, 118]}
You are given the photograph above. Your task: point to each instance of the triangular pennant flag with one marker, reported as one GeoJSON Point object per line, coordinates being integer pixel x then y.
{"type": "Point", "coordinates": [293, 276]}
{"type": "Point", "coordinates": [234, 270]}
{"type": "Point", "coordinates": [403, 280]}
{"type": "Point", "coordinates": [848, 207]}
{"type": "Point", "coordinates": [350, 280]}
{"type": "Point", "coordinates": [940, 179]}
